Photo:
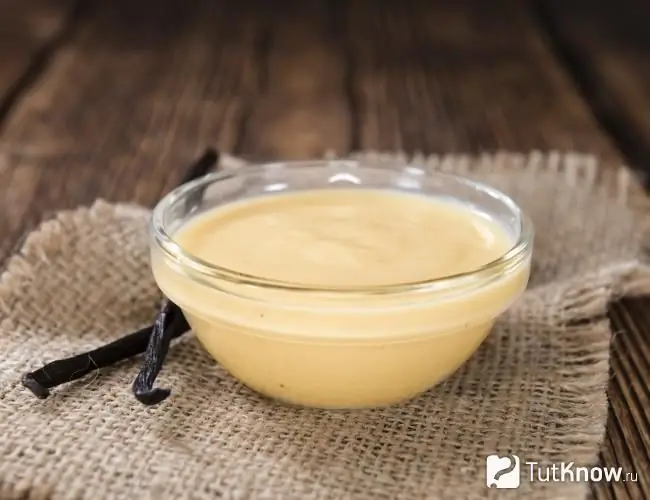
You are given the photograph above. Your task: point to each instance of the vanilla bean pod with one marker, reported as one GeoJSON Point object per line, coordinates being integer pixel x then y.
{"type": "Point", "coordinates": [153, 339]}
{"type": "Point", "coordinates": [169, 324]}
{"type": "Point", "coordinates": [66, 370]}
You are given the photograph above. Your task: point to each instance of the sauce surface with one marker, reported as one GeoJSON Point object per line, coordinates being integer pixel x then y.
{"type": "Point", "coordinates": [344, 237]}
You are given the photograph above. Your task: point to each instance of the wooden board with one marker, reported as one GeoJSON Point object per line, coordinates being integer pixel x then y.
{"type": "Point", "coordinates": [463, 77]}
{"type": "Point", "coordinates": [124, 104]}
{"type": "Point", "coordinates": [628, 428]}
{"type": "Point", "coordinates": [605, 46]}
{"type": "Point", "coordinates": [29, 31]}
{"type": "Point", "coordinates": [302, 110]}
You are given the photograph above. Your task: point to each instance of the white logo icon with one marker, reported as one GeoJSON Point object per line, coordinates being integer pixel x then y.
{"type": "Point", "coordinates": [502, 472]}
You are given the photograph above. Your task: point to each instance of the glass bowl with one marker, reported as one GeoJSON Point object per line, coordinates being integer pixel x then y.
{"type": "Point", "coordinates": [337, 347]}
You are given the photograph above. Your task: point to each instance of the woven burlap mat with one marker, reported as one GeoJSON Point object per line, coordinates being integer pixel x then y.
{"type": "Point", "coordinates": [536, 388]}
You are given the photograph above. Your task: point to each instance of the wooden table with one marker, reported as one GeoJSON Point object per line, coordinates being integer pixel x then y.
{"type": "Point", "coordinates": [111, 97]}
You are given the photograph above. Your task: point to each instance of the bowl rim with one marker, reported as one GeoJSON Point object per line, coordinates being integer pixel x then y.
{"type": "Point", "coordinates": [206, 273]}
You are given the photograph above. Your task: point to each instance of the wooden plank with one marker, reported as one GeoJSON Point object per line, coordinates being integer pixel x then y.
{"type": "Point", "coordinates": [462, 76]}
{"type": "Point", "coordinates": [303, 109]}
{"type": "Point", "coordinates": [630, 397]}
{"type": "Point", "coordinates": [28, 30]}
{"type": "Point", "coordinates": [605, 47]}
{"type": "Point", "coordinates": [139, 90]}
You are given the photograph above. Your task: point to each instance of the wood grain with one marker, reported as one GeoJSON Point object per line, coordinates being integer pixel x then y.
{"type": "Point", "coordinates": [628, 425]}
{"type": "Point", "coordinates": [462, 76]}
{"type": "Point", "coordinates": [606, 47]}
{"type": "Point", "coordinates": [302, 111]}
{"type": "Point", "coordinates": [134, 96]}
{"type": "Point", "coordinates": [28, 30]}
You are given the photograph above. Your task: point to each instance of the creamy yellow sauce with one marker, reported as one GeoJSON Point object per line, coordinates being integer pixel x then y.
{"type": "Point", "coordinates": [340, 350]}
{"type": "Point", "coordinates": [345, 237]}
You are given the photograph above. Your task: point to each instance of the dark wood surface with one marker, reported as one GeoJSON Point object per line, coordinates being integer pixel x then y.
{"type": "Point", "coordinates": [110, 98]}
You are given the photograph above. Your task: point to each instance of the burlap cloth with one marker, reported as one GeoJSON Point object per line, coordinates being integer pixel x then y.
{"type": "Point", "coordinates": [537, 387]}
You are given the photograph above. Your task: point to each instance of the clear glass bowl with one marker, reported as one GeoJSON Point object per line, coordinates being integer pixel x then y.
{"type": "Point", "coordinates": [337, 347]}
